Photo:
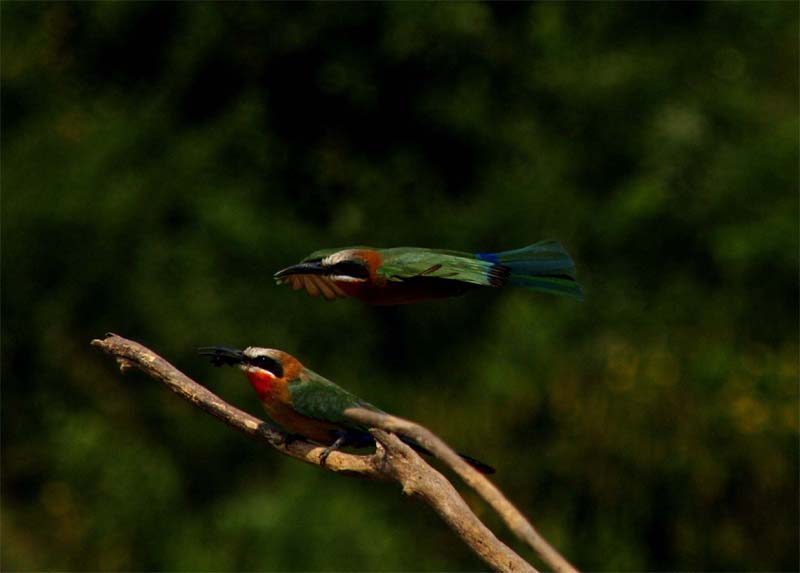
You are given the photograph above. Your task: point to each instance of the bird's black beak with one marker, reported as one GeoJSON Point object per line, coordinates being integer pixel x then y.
{"type": "Point", "coordinates": [306, 268]}
{"type": "Point", "coordinates": [221, 355]}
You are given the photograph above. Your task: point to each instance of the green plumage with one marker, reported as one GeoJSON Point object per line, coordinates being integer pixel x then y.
{"type": "Point", "coordinates": [314, 407]}
{"type": "Point", "coordinates": [405, 262]}
{"type": "Point", "coordinates": [317, 397]}
{"type": "Point", "coordinates": [544, 266]}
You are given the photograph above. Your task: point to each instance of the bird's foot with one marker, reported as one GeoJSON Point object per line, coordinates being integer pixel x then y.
{"type": "Point", "coordinates": [288, 439]}
{"type": "Point", "coordinates": [323, 457]}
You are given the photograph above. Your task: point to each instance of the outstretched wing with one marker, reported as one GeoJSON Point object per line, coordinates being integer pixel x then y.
{"type": "Point", "coordinates": [406, 263]}
{"type": "Point", "coordinates": [319, 398]}
{"type": "Point", "coordinates": [315, 285]}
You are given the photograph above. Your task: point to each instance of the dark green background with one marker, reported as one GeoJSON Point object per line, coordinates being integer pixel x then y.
{"type": "Point", "coordinates": [161, 161]}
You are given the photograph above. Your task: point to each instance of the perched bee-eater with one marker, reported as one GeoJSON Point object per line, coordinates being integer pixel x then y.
{"type": "Point", "coordinates": [407, 274]}
{"type": "Point", "coordinates": [303, 403]}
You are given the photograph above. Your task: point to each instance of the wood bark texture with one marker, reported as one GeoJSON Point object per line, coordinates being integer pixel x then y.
{"type": "Point", "coordinates": [392, 461]}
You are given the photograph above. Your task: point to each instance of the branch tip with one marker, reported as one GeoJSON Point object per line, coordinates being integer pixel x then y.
{"type": "Point", "coordinates": [393, 460]}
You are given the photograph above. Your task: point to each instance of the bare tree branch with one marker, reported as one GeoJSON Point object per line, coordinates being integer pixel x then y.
{"type": "Point", "coordinates": [420, 480]}
{"type": "Point", "coordinates": [392, 460]}
{"type": "Point", "coordinates": [517, 522]}
{"type": "Point", "coordinates": [130, 354]}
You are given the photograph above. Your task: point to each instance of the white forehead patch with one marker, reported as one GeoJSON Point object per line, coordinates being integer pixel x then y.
{"type": "Point", "coordinates": [346, 255]}
{"type": "Point", "coordinates": [253, 351]}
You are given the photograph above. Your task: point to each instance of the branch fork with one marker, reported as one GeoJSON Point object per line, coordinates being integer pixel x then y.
{"type": "Point", "coordinates": [392, 460]}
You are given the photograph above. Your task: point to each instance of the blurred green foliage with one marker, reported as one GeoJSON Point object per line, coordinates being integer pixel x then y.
{"type": "Point", "coordinates": [161, 161]}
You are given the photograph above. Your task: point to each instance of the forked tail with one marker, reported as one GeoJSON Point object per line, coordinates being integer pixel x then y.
{"type": "Point", "coordinates": [477, 464]}
{"type": "Point", "coordinates": [545, 266]}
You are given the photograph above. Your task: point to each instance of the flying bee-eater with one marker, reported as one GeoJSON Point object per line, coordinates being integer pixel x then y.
{"type": "Point", "coordinates": [303, 403]}
{"type": "Point", "coordinates": [408, 274]}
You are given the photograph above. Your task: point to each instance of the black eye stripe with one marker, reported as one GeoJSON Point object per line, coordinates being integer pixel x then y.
{"type": "Point", "coordinates": [268, 364]}
{"type": "Point", "coordinates": [351, 269]}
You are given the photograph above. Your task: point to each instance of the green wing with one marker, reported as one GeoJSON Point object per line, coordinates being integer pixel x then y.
{"type": "Point", "coordinates": [319, 398]}
{"type": "Point", "coordinates": [407, 262]}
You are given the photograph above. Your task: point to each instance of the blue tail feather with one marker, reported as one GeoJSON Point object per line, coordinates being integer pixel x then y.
{"type": "Point", "coordinates": [545, 266]}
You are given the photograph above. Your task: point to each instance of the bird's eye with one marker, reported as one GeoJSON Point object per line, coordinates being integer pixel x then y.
{"type": "Point", "coordinates": [268, 364]}
{"type": "Point", "coordinates": [353, 269]}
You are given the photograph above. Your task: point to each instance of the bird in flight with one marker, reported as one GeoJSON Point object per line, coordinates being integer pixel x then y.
{"type": "Point", "coordinates": [404, 275]}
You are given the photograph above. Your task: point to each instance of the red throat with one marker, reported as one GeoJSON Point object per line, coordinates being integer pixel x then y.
{"type": "Point", "coordinates": [261, 381]}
